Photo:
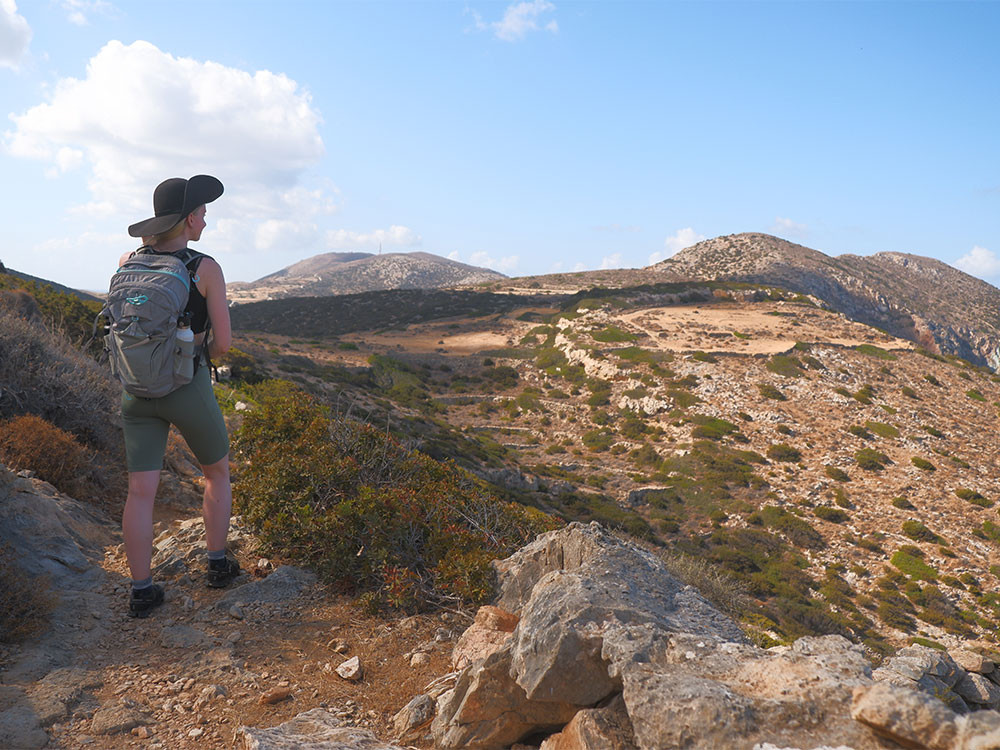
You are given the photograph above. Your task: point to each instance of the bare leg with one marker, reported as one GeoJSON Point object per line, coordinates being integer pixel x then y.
{"type": "Point", "coordinates": [218, 503]}
{"type": "Point", "coordinates": [137, 521]}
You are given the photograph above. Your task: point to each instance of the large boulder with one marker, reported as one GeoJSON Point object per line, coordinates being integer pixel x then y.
{"type": "Point", "coordinates": [611, 651]}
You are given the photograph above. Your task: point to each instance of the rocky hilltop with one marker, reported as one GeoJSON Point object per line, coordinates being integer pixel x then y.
{"type": "Point", "coordinates": [916, 298]}
{"type": "Point", "coordinates": [352, 273]}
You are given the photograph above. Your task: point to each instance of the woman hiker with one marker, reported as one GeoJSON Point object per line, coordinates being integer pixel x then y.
{"type": "Point", "coordinates": [179, 207]}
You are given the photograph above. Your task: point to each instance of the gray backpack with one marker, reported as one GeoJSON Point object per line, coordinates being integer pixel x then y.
{"type": "Point", "coordinates": [146, 298]}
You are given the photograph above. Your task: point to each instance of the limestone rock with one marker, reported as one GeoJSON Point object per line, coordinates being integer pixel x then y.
{"type": "Point", "coordinates": [978, 731]}
{"type": "Point", "coordinates": [904, 715]}
{"type": "Point", "coordinates": [414, 716]}
{"type": "Point", "coordinates": [976, 689]}
{"type": "Point", "coordinates": [970, 661]}
{"type": "Point", "coordinates": [117, 718]}
{"type": "Point", "coordinates": [183, 636]}
{"type": "Point", "coordinates": [276, 695]}
{"type": "Point", "coordinates": [488, 709]}
{"type": "Point", "coordinates": [19, 728]}
{"type": "Point", "coordinates": [604, 728]}
{"type": "Point", "coordinates": [350, 669]}
{"type": "Point", "coordinates": [285, 583]}
{"type": "Point", "coordinates": [317, 729]}
{"type": "Point", "coordinates": [487, 634]}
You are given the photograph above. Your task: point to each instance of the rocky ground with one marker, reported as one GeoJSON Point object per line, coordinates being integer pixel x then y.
{"type": "Point", "coordinates": [205, 663]}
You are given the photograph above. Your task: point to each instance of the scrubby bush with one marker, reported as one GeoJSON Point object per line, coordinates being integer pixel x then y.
{"type": "Point", "coordinates": [598, 440]}
{"type": "Point", "coordinates": [29, 442]}
{"type": "Point", "coordinates": [875, 351]}
{"type": "Point", "coordinates": [902, 503]}
{"type": "Point", "coordinates": [909, 560]}
{"type": "Point", "coordinates": [242, 366]}
{"type": "Point", "coordinates": [932, 380]}
{"type": "Point", "coordinates": [923, 464]}
{"type": "Point", "coordinates": [932, 431]}
{"type": "Point", "coordinates": [769, 391]}
{"type": "Point", "coordinates": [784, 452]}
{"type": "Point", "coordinates": [613, 334]}
{"type": "Point", "coordinates": [366, 513]}
{"type": "Point", "coordinates": [833, 515]}
{"type": "Point", "coordinates": [704, 357]}
{"type": "Point", "coordinates": [919, 533]}
{"type": "Point", "coordinates": [975, 395]}
{"type": "Point", "coordinates": [42, 373]}
{"type": "Point", "coordinates": [785, 365]}
{"type": "Point", "coordinates": [837, 475]}
{"type": "Point", "coordinates": [973, 497]}
{"type": "Point", "coordinates": [882, 429]}
{"type": "Point", "coordinates": [859, 431]}
{"type": "Point", "coordinates": [712, 428]}
{"type": "Point", "coordinates": [871, 460]}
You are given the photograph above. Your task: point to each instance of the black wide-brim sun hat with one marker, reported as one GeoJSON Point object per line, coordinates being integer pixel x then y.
{"type": "Point", "coordinates": [174, 199]}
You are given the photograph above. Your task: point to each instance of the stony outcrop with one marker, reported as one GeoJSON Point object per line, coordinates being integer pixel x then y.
{"type": "Point", "coordinates": [610, 651]}
{"type": "Point", "coordinates": [317, 729]}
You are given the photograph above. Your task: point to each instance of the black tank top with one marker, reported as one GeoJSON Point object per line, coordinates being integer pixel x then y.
{"type": "Point", "coordinates": [197, 305]}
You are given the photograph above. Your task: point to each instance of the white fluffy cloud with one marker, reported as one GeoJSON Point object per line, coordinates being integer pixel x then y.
{"type": "Point", "coordinates": [519, 19]}
{"type": "Point", "coordinates": [980, 262]}
{"type": "Point", "coordinates": [611, 261]}
{"type": "Point", "coordinates": [505, 264]}
{"type": "Point", "coordinates": [393, 237]}
{"type": "Point", "coordinates": [15, 34]}
{"type": "Point", "coordinates": [79, 10]}
{"type": "Point", "coordinates": [141, 115]}
{"type": "Point", "coordinates": [788, 227]}
{"type": "Point", "coordinates": [681, 239]}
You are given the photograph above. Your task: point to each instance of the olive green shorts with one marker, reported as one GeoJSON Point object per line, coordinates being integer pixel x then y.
{"type": "Point", "coordinates": [192, 408]}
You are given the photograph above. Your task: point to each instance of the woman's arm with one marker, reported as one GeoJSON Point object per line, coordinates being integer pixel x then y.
{"type": "Point", "coordinates": [213, 287]}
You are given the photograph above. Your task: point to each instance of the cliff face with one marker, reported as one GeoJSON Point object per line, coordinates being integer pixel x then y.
{"type": "Point", "coordinates": [352, 273]}
{"type": "Point", "coordinates": [916, 298]}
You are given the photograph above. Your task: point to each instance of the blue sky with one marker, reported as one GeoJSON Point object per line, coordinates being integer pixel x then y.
{"type": "Point", "coordinates": [528, 137]}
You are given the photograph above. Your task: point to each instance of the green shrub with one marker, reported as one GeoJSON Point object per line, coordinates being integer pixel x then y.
{"type": "Point", "coordinates": [973, 497]}
{"type": "Point", "coordinates": [923, 464]}
{"type": "Point", "coordinates": [902, 503]}
{"type": "Point", "coordinates": [769, 391]}
{"type": "Point", "coordinates": [799, 532]}
{"type": "Point", "coordinates": [859, 431]}
{"type": "Point", "coordinates": [683, 399]}
{"type": "Point", "coordinates": [600, 393]}
{"type": "Point", "coordinates": [932, 431]}
{"type": "Point", "coordinates": [633, 428]}
{"type": "Point", "coordinates": [703, 357]}
{"type": "Point", "coordinates": [877, 352]}
{"type": "Point", "coordinates": [975, 395]}
{"type": "Point", "coordinates": [882, 430]}
{"type": "Point", "coordinates": [785, 365]}
{"type": "Point", "coordinates": [368, 514]}
{"type": "Point", "coordinates": [712, 428]}
{"type": "Point", "coordinates": [919, 533]}
{"type": "Point", "coordinates": [909, 561]}
{"type": "Point", "coordinates": [871, 460]}
{"type": "Point", "coordinates": [598, 440]}
{"type": "Point", "coordinates": [529, 401]}
{"type": "Point", "coordinates": [347, 346]}
{"type": "Point", "coordinates": [833, 515]}
{"type": "Point", "coordinates": [838, 475]}
{"type": "Point", "coordinates": [784, 452]}
{"type": "Point", "coordinates": [909, 392]}
{"type": "Point", "coordinates": [613, 334]}
{"type": "Point", "coordinates": [932, 380]}
{"type": "Point", "coordinates": [242, 366]}
{"type": "Point", "coordinates": [864, 394]}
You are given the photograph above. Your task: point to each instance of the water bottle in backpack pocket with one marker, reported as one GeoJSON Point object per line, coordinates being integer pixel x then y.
{"type": "Point", "coordinates": [184, 352]}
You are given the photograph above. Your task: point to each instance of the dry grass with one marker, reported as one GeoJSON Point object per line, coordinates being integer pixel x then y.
{"type": "Point", "coordinates": [25, 603]}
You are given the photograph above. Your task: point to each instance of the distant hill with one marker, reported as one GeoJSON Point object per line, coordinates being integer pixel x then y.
{"type": "Point", "coordinates": [352, 273]}
{"type": "Point", "coordinates": [916, 298]}
{"type": "Point", "coordinates": [12, 274]}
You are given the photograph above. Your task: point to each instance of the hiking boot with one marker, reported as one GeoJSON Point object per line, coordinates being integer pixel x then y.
{"type": "Point", "coordinates": [144, 601]}
{"type": "Point", "coordinates": [221, 572]}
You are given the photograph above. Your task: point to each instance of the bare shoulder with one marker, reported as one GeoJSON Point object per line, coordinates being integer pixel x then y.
{"type": "Point", "coordinates": [125, 257]}
{"type": "Point", "coordinates": [209, 269]}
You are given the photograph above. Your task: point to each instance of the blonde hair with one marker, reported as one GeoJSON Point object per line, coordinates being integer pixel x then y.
{"type": "Point", "coordinates": [174, 231]}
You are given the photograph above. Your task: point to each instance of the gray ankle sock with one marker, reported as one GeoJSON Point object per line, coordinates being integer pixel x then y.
{"type": "Point", "coordinates": [217, 554]}
{"type": "Point", "coordinates": [145, 583]}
